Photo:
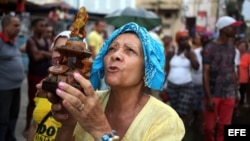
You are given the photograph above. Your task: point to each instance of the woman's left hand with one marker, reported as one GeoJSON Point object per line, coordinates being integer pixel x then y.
{"type": "Point", "coordinates": [192, 57]}
{"type": "Point", "coordinates": [84, 106]}
{"type": "Point", "coordinates": [189, 54]}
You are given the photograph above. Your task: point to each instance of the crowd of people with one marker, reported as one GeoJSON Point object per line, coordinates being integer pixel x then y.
{"type": "Point", "coordinates": [200, 80]}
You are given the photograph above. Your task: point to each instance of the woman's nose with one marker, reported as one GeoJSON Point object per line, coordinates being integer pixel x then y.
{"type": "Point", "coordinates": [117, 56]}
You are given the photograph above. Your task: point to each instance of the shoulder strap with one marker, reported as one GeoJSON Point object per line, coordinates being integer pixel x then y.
{"type": "Point", "coordinates": [36, 43]}
{"type": "Point", "coordinates": [46, 43]}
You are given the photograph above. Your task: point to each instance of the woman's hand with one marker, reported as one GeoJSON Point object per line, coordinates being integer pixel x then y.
{"type": "Point", "coordinates": [210, 104]}
{"type": "Point", "coordinates": [83, 106]}
{"type": "Point", "coordinates": [193, 59]}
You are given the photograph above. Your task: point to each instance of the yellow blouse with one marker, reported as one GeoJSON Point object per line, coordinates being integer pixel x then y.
{"type": "Point", "coordinates": [155, 122]}
{"type": "Point", "coordinates": [51, 126]}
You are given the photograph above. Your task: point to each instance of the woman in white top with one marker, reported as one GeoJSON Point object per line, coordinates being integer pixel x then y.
{"type": "Point", "coordinates": [197, 74]}
{"type": "Point", "coordinates": [197, 46]}
{"type": "Point", "coordinates": [178, 67]}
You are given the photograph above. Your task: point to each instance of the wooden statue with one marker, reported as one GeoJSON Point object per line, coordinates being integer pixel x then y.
{"type": "Point", "coordinates": [74, 56]}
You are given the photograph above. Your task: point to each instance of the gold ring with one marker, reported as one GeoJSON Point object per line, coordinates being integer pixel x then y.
{"type": "Point", "coordinates": [82, 106]}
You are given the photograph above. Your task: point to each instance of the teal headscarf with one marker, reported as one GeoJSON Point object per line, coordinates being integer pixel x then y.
{"type": "Point", "coordinates": [154, 58]}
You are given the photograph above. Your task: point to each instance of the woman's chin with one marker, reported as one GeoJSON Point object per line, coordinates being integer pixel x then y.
{"type": "Point", "coordinates": [112, 84]}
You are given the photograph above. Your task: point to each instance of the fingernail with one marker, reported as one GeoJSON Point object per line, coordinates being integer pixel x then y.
{"type": "Point", "coordinates": [61, 84]}
{"type": "Point", "coordinates": [76, 75]}
{"type": "Point", "coordinates": [58, 91]}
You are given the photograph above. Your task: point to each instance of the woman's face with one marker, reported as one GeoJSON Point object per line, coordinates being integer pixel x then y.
{"type": "Point", "coordinates": [184, 43]}
{"type": "Point", "coordinates": [59, 42]}
{"type": "Point", "coordinates": [230, 31]}
{"type": "Point", "coordinates": [49, 32]}
{"type": "Point", "coordinates": [124, 63]}
{"type": "Point", "coordinates": [242, 47]}
{"type": "Point", "coordinates": [167, 40]}
{"type": "Point", "coordinates": [197, 39]}
{"type": "Point", "coordinates": [40, 27]}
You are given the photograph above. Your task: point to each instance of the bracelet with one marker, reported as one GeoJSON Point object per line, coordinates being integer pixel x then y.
{"type": "Point", "coordinates": [110, 137]}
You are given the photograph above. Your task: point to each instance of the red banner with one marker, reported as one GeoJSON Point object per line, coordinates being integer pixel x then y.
{"type": "Point", "coordinates": [201, 21]}
{"type": "Point", "coordinates": [20, 7]}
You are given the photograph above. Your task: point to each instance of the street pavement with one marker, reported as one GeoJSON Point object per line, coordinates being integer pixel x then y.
{"type": "Point", "coordinates": [22, 114]}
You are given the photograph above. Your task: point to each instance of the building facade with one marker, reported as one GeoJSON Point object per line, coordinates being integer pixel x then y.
{"type": "Point", "coordinates": [168, 10]}
{"type": "Point", "coordinates": [202, 14]}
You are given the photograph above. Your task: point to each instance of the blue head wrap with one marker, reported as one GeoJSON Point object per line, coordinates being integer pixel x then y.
{"type": "Point", "coordinates": [154, 58]}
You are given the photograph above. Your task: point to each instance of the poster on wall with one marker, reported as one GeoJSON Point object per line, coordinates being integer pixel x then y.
{"type": "Point", "coordinates": [201, 21]}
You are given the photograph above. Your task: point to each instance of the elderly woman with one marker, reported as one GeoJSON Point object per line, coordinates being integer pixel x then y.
{"type": "Point", "coordinates": [131, 61]}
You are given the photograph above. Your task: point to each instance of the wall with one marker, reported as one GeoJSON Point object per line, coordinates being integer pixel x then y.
{"type": "Point", "coordinates": [168, 10]}
{"type": "Point", "coordinates": [191, 8]}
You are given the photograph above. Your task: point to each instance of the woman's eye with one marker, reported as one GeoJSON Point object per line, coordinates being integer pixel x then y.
{"type": "Point", "coordinates": [111, 49]}
{"type": "Point", "coordinates": [131, 50]}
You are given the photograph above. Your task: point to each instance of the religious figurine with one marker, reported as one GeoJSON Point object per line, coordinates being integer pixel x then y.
{"type": "Point", "coordinates": [78, 25]}
{"type": "Point", "coordinates": [74, 56]}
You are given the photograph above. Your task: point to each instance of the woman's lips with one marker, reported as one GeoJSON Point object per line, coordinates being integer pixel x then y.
{"type": "Point", "coordinates": [113, 69]}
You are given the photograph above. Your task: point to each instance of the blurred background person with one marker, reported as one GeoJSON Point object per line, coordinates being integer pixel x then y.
{"type": "Point", "coordinates": [219, 80]}
{"type": "Point", "coordinates": [39, 52]}
{"type": "Point", "coordinates": [244, 69]}
{"type": "Point", "coordinates": [168, 47]}
{"type": "Point", "coordinates": [95, 37]}
{"type": "Point", "coordinates": [198, 88]}
{"type": "Point", "coordinates": [167, 41]}
{"type": "Point", "coordinates": [179, 80]}
{"type": "Point", "coordinates": [95, 40]}
{"type": "Point", "coordinates": [12, 75]}
{"type": "Point", "coordinates": [156, 33]}
{"type": "Point", "coordinates": [49, 33]}
{"type": "Point", "coordinates": [53, 17]}
{"type": "Point", "coordinates": [42, 115]}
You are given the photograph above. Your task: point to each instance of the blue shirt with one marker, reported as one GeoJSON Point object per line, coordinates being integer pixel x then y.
{"type": "Point", "coordinates": [11, 67]}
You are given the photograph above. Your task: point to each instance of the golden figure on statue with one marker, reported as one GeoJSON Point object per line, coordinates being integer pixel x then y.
{"type": "Point", "coordinates": [79, 24]}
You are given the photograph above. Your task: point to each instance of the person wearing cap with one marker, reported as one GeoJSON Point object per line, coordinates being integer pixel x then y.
{"type": "Point", "coordinates": [219, 80]}
{"type": "Point", "coordinates": [179, 81]}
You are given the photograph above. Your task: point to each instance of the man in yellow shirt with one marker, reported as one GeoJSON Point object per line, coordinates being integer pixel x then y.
{"type": "Point", "coordinates": [95, 38]}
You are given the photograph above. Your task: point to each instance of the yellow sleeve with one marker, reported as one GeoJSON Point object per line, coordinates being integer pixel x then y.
{"type": "Point", "coordinates": [171, 129]}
